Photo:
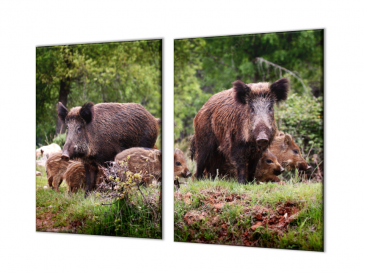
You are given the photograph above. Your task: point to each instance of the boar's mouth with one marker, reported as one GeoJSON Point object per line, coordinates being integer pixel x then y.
{"type": "Point", "coordinates": [65, 156]}
{"type": "Point", "coordinates": [278, 171]}
{"type": "Point", "coordinates": [304, 167]}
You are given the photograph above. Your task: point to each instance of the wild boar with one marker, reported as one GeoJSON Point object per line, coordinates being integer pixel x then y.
{"type": "Point", "coordinates": [56, 168]}
{"type": "Point", "coordinates": [241, 122]}
{"type": "Point", "coordinates": [288, 152]}
{"type": "Point", "coordinates": [97, 133]}
{"type": "Point", "coordinates": [268, 168]}
{"type": "Point", "coordinates": [46, 151]}
{"type": "Point", "coordinates": [142, 160]}
{"type": "Point", "coordinates": [75, 177]}
{"type": "Point", "coordinates": [180, 167]}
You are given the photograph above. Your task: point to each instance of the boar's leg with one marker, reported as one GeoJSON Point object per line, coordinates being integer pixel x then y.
{"type": "Point", "coordinates": [90, 171]}
{"type": "Point", "coordinates": [205, 156]}
{"type": "Point", "coordinates": [57, 180]}
{"type": "Point", "coordinates": [241, 175]}
{"type": "Point", "coordinates": [251, 168]}
{"type": "Point", "coordinates": [237, 157]}
{"type": "Point", "coordinates": [216, 162]}
{"type": "Point", "coordinates": [50, 182]}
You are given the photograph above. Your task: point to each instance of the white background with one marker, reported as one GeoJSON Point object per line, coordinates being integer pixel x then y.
{"type": "Point", "coordinates": [27, 24]}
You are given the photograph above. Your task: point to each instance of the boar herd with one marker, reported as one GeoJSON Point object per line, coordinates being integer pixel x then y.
{"type": "Point", "coordinates": [97, 134]}
{"type": "Point", "coordinates": [235, 135]}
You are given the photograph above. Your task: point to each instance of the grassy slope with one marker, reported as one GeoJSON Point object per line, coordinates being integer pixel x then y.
{"type": "Point", "coordinates": [60, 212]}
{"type": "Point", "coordinates": [225, 212]}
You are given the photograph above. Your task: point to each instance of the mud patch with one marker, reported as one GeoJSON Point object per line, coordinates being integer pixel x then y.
{"type": "Point", "coordinates": [46, 222]}
{"type": "Point", "coordinates": [209, 222]}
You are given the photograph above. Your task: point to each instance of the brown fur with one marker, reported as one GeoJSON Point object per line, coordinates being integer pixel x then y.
{"type": "Point", "coordinates": [288, 152]}
{"type": "Point", "coordinates": [180, 167]}
{"type": "Point", "coordinates": [268, 168]}
{"type": "Point", "coordinates": [142, 160]}
{"type": "Point", "coordinates": [97, 133]}
{"type": "Point", "coordinates": [56, 168]}
{"type": "Point", "coordinates": [75, 177]}
{"type": "Point", "coordinates": [241, 122]}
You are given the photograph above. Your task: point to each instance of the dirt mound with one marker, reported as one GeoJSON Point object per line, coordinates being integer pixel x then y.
{"type": "Point", "coordinates": [271, 218]}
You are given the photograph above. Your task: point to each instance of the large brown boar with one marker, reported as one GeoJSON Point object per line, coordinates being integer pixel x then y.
{"type": "Point", "coordinates": [241, 122]}
{"type": "Point", "coordinates": [56, 168]}
{"type": "Point", "coordinates": [142, 160]}
{"type": "Point", "coordinates": [75, 177]}
{"type": "Point", "coordinates": [288, 152]}
{"type": "Point", "coordinates": [180, 167]}
{"type": "Point", "coordinates": [97, 133]}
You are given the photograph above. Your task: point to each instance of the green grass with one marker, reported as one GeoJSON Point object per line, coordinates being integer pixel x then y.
{"type": "Point", "coordinates": [231, 224]}
{"type": "Point", "coordinates": [61, 212]}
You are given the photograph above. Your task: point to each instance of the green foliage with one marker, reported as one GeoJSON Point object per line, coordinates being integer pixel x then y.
{"type": "Point", "coordinates": [60, 140]}
{"type": "Point", "coordinates": [61, 212]}
{"type": "Point", "coordinates": [302, 117]}
{"type": "Point", "coordinates": [187, 93]}
{"type": "Point", "coordinates": [106, 72]}
{"type": "Point", "coordinates": [205, 66]}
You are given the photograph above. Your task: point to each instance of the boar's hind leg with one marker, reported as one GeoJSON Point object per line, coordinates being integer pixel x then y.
{"type": "Point", "coordinates": [90, 178]}
{"type": "Point", "coordinates": [50, 182]}
{"type": "Point", "coordinates": [205, 154]}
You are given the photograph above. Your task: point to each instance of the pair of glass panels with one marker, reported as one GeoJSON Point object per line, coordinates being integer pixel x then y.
{"type": "Point", "coordinates": [248, 132]}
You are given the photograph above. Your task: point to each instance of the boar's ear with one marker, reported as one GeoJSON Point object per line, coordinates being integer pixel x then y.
{"type": "Point", "coordinates": [62, 112]}
{"type": "Point", "coordinates": [280, 88]}
{"type": "Point", "coordinates": [288, 139]}
{"type": "Point", "coordinates": [241, 91]}
{"type": "Point", "coordinates": [86, 111]}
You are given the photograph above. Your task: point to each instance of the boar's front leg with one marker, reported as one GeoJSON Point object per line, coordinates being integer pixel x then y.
{"type": "Point", "coordinates": [240, 162]}
{"type": "Point", "coordinates": [90, 171]}
{"type": "Point", "coordinates": [251, 168]}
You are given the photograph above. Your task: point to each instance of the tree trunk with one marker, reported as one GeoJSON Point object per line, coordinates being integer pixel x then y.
{"type": "Point", "coordinates": [64, 91]}
{"type": "Point", "coordinates": [65, 86]}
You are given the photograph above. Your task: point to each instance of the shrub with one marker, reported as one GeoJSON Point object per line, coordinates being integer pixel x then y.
{"type": "Point", "coordinates": [302, 117]}
{"type": "Point", "coordinates": [60, 140]}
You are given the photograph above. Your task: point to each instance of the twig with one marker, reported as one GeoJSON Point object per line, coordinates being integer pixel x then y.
{"type": "Point", "coordinates": [148, 204]}
{"type": "Point", "coordinates": [261, 60]}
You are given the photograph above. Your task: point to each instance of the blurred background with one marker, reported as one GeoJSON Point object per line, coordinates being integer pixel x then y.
{"type": "Point", "coordinates": [103, 72]}
{"type": "Point", "coordinates": [205, 66]}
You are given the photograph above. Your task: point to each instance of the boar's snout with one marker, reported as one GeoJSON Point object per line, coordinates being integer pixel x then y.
{"type": "Point", "coordinates": [278, 171]}
{"type": "Point", "coordinates": [187, 173]}
{"type": "Point", "coordinates": [65, 156]}
{"type": "Point", "coordinates": [262, 140]}
{"type": "Point", "coordinates": [304, 166]}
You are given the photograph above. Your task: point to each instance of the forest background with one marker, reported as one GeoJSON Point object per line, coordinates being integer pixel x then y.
{"type": "Point", "coordinates": [101, 72]}
{"type": "Point", "coordinates": [205, 66]}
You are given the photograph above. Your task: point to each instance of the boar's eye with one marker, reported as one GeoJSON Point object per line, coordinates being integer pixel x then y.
{"type": "Point", "coordinates": [178, 163]}
{"type": "Point", "coordinates": [296, 151]}
{"type": "Point", "coordinates": [252, 110]}
{"type": "Point", "coordinates": [270, 108]}
{"type": "Point", "coordinates": [268, 161]}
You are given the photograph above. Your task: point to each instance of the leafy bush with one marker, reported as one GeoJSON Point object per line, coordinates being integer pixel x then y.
{"type": "Point", "coordinates": [302, 117]}
{"type": "Point", "coordinates": [60, 140]}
